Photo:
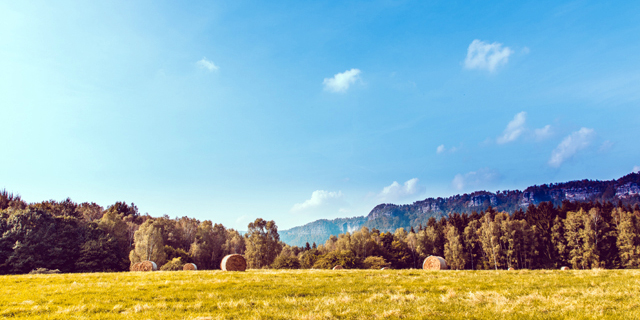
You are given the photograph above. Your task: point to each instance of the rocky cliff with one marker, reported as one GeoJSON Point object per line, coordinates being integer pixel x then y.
{"type": "Point", "coordinates": [389, 217]}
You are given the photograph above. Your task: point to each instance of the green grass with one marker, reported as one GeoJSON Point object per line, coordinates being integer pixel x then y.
{"type": "Point", "coordinates": [324, 294]}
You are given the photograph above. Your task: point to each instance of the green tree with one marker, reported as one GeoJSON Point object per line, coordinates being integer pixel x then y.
{"type": "Point", "coordinates": [628, 240]}
{"type": "Point", "coordinates": [262, 243]}
{"type": "Point", "coordinates": [113, 224]}
{"type": "Point", "coordinates": [208, 249]}
{"type": "Point", "coordinates": [473, 247]}
{"type": "Point", "coordinates": [490, 234]}
{"type": "Point", "coordinates": [40, 240]}
{"type": "Point", "coordinates": [99, 251]}
{"type": "Point", "coordinates": [148, 244]}
{"type": "Point", "coordinates": [453, 251]}
{"type": "Point", "coordinates": [573, 232]}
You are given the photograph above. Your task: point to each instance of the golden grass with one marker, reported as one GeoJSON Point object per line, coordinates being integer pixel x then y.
{"type": "Point", "coordinates": [323, 294]}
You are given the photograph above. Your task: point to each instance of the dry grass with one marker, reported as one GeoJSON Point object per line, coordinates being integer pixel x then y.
{"type": "Point", "coordinates": [323, 294]}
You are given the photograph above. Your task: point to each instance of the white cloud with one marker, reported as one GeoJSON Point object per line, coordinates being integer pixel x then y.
{"type": "Point", "coordinates": [319, 198]}
{"type": "Point", "coordinates": [573, 143]}
{"type": "Point", "coordinates": [442, 149]}
{"type": "Point", "coordinates": [341, 81]}
{"type": "Point", "coordinates": [514, 129]}
{"type": "Point", "coordinates": [475, 179]}
{"type": "Point", "coordinates": [482, 55]}
{"type": "Point", "coordinates": [606, 146]}
{"type": "Point", "coordinates": [395, 191]}
{"type": "Point", "coordinates": [543, 133]}
{"type": "Point", "coordinates": [636, 168]}
{"type": "Point", "coordinates": [206, 64]}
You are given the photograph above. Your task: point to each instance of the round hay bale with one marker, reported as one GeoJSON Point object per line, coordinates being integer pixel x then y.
{"type": "Point", "coordinates": [233, 262]}
{"type": "Point", "coordinates": [189, 267]}
{"type": "Point", "coordinates": [148, 266]}
{"type": "Point", "coordinates": [338, 267]}
{"type": "Point", "coordinates": [511, 269]}
{"type": "Point", "coordinates": [385, 268]}
{"type": "Point", "coordinates": [136, 266]}
{"type": "Point", "coordinates": [565, 268]}
{"type": "Point", "coordinates": [434, 263]}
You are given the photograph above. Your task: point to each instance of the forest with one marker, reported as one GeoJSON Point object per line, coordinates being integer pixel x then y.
{"type": "Point", "coordinates": [86, 237]}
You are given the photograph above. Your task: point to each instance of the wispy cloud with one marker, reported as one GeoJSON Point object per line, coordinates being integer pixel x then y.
{"type": "Point", "coordinates": [514, 129]}
{"type": "Point", "coordinates": [486, 56]}
{"type": "Point", "coordinates": [396, 191]}
{"type": "Point", "coordinates": [442, 149]}
{"type": "Point", "coordinates": [571, 144]}
{"type": "Point", "coordinates": [341, 81]}
{"type": "Point", "coordinates": [606, 146]}
{"type": "Point", "coordinates": [319, 198]}
{"type": "Point", "coordinates": [207, 64]}
{"type": "Point", "coordinates": [636, 169]}
{"type": "Point", "coordinates": [543, 133]}
{"type": "Point", "coordinates": [482, 178]}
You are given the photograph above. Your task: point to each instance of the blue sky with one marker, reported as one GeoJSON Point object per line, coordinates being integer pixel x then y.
{"type": "Point", "coordinates": [300, 110]}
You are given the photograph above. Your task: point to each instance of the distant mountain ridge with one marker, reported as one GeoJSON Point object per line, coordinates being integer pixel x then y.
{"type": "Point", "coordinates": [389, 217]}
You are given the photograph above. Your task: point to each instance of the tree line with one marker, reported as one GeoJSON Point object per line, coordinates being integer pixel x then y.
{"type": "Point", "coordinates": [86, 237]}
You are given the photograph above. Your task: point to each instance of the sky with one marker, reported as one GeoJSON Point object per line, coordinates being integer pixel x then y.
{"type": "Point", "coordinates": [299, 110]}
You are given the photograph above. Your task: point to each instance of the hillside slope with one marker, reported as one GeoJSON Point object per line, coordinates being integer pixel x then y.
{"type": "Point", "coordinates": [389, 217]}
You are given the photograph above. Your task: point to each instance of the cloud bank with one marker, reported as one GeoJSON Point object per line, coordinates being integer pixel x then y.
{"type": "Point", "coordinates": [486, 56]}
{"type": "Point", "coordinates": [208, 65]}
{"type": "Point", "coordinates": [341, 81]}
{"type": "Point", "coordinates": [573, 143]}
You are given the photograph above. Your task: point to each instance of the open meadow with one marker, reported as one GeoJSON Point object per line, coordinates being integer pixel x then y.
{"type": "Point", "coordinates": [324, 294]}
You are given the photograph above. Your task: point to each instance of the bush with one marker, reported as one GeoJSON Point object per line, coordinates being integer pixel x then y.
{"type": "Point", "coordinates": [44, 271]}
{"type": "Point", "coordinates": [288, 262]}
{"type": "Point", "coordinates": [375, 262]}
{"type": "Point", "coordinates": [174, 265]}
{"type": "Point", "coordinates": [344, 258]}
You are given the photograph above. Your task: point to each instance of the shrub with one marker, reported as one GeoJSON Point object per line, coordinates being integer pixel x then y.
{"type": "Point", "coordinates": [374, 262]}
{"type": "Point", "coordinates": [286, 262]}
{"type": "Point", "coordinates": [174, 265]}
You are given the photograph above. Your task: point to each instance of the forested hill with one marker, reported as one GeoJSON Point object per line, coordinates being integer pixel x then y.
{"type": "Point", "coordinates": [389, 217]}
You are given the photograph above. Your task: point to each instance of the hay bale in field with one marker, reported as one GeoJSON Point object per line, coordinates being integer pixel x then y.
{"type": "Point", "coordinates": [385, 268]}
{"type": "Point", "coordinates": [338, 267]}
{"type": "Point", "coordinates": [136, 266]}
{"type": "Point", "coordinates": [189, 267]}
{"type": "Point", "coordinates": [434, 263]}
{"type": "Point", "coordinates": [565, 268]}
{"type": "Point", "coordinates": [511, 269]}
{"type": "Point", "coordinates": [148, 266]}
{"type": "Point", "coordinates": [233, 262]}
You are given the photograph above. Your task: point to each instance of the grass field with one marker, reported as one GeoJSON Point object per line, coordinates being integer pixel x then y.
{"type": "Point", "coordinates": [324, 294]}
